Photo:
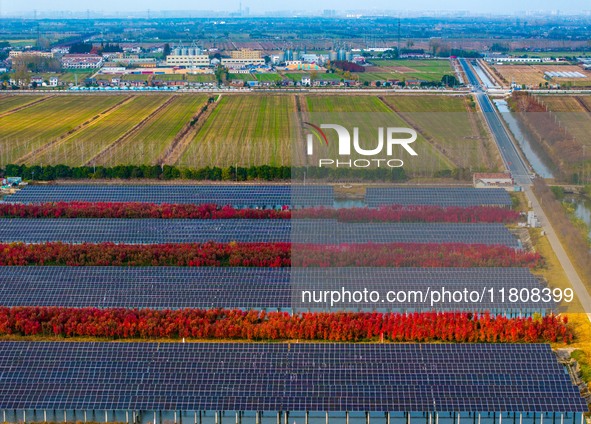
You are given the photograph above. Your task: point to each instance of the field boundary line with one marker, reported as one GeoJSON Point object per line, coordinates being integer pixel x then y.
{"type": "Point", "coordinates": [183, 139]}
{"type": "Point", "coordinates": [302, 114]}
{"type": "Point", "coordinates": [583, 104]}
{"type": "Point", "coordinates": [130, 132]}
{"type": "Point", "coordinates": [21, 107]}
{"type": "Point", "coordinates": [426, 136]}
{"type": "Point", "coordinates": [64, 137]}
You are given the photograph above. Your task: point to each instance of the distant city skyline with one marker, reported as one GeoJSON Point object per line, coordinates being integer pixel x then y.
{"type": "Point", "coordinates": [112, 7]}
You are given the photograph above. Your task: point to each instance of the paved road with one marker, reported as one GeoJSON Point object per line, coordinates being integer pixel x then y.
{"type": "Point", "coordinates": [518, 169]}
{"type": "Point", "coordinates": [513, 161]}
{"type": "Point", "coordinates": [569, 269]}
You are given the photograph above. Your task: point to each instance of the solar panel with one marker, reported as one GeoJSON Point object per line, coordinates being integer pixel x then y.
{"type": "Point", "coordinates": [146, 287]}
{"type": "Point", "coordinates": [255, 288]}
{"type": "Point", "coordinates": [284, 377]}
{"type": "Point", "coordinates": [440, 196]}
{"type": "Point", "coordinates": [414, 289]}
{"type": "Point", "coordinates": [149, 231]}
{"type": "Point", "coordinates": [268, 196]}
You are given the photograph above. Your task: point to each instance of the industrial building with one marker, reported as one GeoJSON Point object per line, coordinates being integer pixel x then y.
{"type": "Point", "coordinates": [82, 61]}
{"type": "Point", "coordinates": [493, 180]}
{"type": "Point", "coordinates": [17, 53]}
{"type": "Point", "coordinates": [239, 63]}
{"type": "Point", "coordinates": [247, 54]}
{"type": "Point", "coordinates": [187, 60]}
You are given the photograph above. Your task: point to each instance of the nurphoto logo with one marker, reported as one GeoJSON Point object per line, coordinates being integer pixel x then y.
{"type": "Point", "coordinates": [386, 137]}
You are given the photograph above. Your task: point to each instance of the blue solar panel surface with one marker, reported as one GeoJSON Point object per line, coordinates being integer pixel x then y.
{"type": "Point", "coordinates": [248, 288]}
{"type": "Point", "coordinates": [149, 231]}
{"type": "Point", "coordinates": [284, 377]}
{"type": "Point", "coordinates": [439, 196]}
{"type": "Point", "coordinates": [236, 195]}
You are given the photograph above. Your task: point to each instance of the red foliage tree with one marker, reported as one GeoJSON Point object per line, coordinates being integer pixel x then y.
{"type": "Point", "coordinates": [254, 325]}
{"type": "Point", "coordinates": [393, 213]}
{"type": "Point", "coordinates": [267, 255]}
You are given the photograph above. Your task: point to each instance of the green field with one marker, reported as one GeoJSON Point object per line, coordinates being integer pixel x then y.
{"type": "Point", "coordinates": [168, 77]}
{"type": "Point", "coordinates": [320, 76]}
{"type": "Point", "coordinates": [239, 130]}
{"type": "Point", "coordinates": [340, 104]}
{"type": "Point", "coordinates": [269, 77]}
{"type": "Point", "coordinates": [369, 113]}
{"type": "Point", "coordinates": [90, 141]}
{"type": "Point", "coordinates": [8, 103]}
{"type": "Point", "coordinates": [131, 77]}
{"type": "Point", "coordinates": [373, 76]}
{"type": "Point", "coordinates": [21, 42]}
{"type": "Point", "coordinates": [242, 77]}
{"type": "Point", "coordinates": [148, 144]}
{"type": "Point", "coordinates": [449, 122]}
{"type": "Point", "coordinates": [26, 130]}
{"type": "Point", "coordinates": [428, 70]}
{"type": "Point", "coordinates": [200, 77]}
{"type": "Point", "coordinates": [245, 130]}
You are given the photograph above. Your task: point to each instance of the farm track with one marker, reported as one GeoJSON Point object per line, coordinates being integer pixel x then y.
{"type": "Point", "coordinates": [583, 104]}
{"type": "Point", "coordinates": [301, 115]}
{"type": "Point", "coordinates": [425, 135]}
{"type": "Point", "coordinates": [21, 107]}
{"type": "Point", "coordinates": [129, 133]}
{"type": "Point", "coordinates": [64, 137]}
{"type": "Point", "coordinates": [183, 139]}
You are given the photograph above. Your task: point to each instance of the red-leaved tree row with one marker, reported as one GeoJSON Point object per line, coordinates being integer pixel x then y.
{"type": "Point", "coordinates": [267, 255]}
{"type": "Point", "coordinates": [255, 325]}
{"type": "Point", "coordinates": [394, 213]}
{"type": "Point", "coordinates": [134, 210]}
{"type": "Point", "coordinates": [413, 255]}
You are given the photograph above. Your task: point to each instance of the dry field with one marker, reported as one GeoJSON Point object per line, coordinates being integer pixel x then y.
{"type": "Point", "coordinates": [533, 75]}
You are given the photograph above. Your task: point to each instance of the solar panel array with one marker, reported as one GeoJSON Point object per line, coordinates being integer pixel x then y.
{"type": "Point", "coordinates": [248, 288]}
{"type": "Point", "coordinates": [143, 231]}
{"type": "Point", "coordinates": [145, 287]}
{"type": "Point", "coordinates": [415, 284]}
{"type": "Point", "coordinates": [148, 231]}
{"type": "Point", "coordinates": [236, 195]}
{"type": "Point", "coordinates": [284, 377]}
{"type": "Point", "coordinates": [444, 196]}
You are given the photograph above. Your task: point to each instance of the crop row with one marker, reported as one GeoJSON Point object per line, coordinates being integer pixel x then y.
{"type": "Point", "coordinates": [394, 213]}
{"type": "Point", "coordinates": [121, 323]}
{"type": "Point", "coordinates": [267, 255]}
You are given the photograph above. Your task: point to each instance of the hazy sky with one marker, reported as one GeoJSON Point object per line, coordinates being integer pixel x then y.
{"type": "Point", "coordinates": [497, 6]}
